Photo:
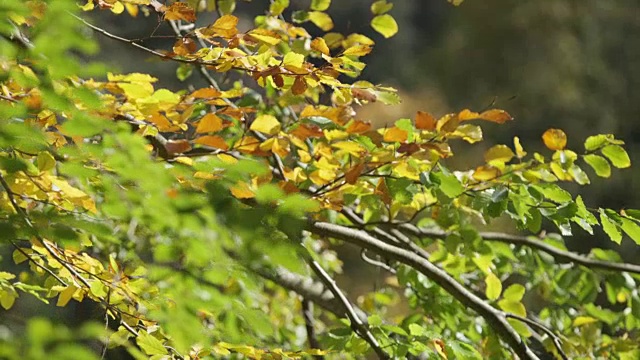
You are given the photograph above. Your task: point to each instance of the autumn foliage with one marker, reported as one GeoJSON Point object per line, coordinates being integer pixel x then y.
{"type": "Point", "coordinates": [203, 222]}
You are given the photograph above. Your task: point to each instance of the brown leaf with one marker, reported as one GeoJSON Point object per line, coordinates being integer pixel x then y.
{"type": "Point", "coordinates": [278, 80]}
{"type": "Point", "coordinates": [304, 131]}
{"type": "Point", "coordinates": [299, 86]}
{"type": "Point", "coordinates": [358, 127]}
{"type": "Point", "coordinates": [496, 116]}
{"type": "Point", "coordinates": [184, 46]}
{"type": "Point", "coordinates": [174, 147]}
{"type": "Point", "coordinates": [179, 11]}
{"type": "Point", "coordinates": [425, 121]}
{"type": "Point", "coordinates": [364, 94]}
{"type": "Point", "coordinates": [353, 174]}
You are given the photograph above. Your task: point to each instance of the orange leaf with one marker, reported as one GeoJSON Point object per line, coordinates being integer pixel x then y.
{"type": "Point", "coordinates": [395, 134]}
{"type": "Point", "coordinates": [425, 121]}
{"type": "Point", "coordinates": [205, 93]}
{"type": "Point", "coordinates": [554, 139]}
{"type": "Point", "coordinates": [184, 46]}
{"type": "Point", "coordinates": [352, 175]}
{"type": "Point", "coordinates": [496, 116]}
{"type": "Point", "coordinates": [358, 127]}
{"type": "Point", "coordinates": [213, 141]}
{"type": "Point", "coordinates": [299, 86]}
{"type": "Point", "coordinates": [467, 114]}
{"type": "Point", "coordinates": [304, 131]}
{"type": "Point", "coordinates": [209, 123]}
{"type": "Point", "coordinates": [179, 11]}
{"type": "Point", "coordinates": [160, 121]}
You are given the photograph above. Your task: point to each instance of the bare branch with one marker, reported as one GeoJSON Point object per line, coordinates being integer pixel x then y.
{"type": "Point", "coordinates": [539, 326]}
{"type": "Point", "coordinates": [307, 314]}
{"type": "Point", "coordinates": [558, 254]}
{"type": "Point", "coordinates": [495, 318]}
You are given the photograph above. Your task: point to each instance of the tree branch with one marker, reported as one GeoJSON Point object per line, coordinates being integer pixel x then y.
{"type": "Point", "coordinates": [495, 318]}
{"type": "Point", "coordinates": [558, 254]}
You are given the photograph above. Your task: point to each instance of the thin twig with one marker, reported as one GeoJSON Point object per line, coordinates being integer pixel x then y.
{"type": "Point", "coordinates": [558, 254]}
{"type": "Point", "coordinates": [494, 317]}
{"type": "Point", "coordinates": [307, 314]}
{"type": "Point", "coordinates": [534, 324]}
{"type": "Point", "coordinates": [358, 327]}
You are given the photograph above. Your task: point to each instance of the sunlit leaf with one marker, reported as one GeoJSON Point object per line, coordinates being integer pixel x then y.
{"type": "Point", "coordinates": [499, 153]}
{"type": "Point", "coordinates": [209, 123]}
{"type": "Point", "coordinates": [599, 164]}
{"type": "Point", "coordinates": [554, 139]}
{"type": "Point", "coordinates": [267, 124]}
{"type": "Point", "coordinates": [425, 121]}
{"type": "Point", "coordinates": [617, 155]}
{"type": "Point", "coordinates": [150, 345]}
{"type": "Point", "coordinates": [321, 20]}
{"type": "Point", "coordinates": [385, 25]}
{"type": "Point", "coordinates": [493, 286]}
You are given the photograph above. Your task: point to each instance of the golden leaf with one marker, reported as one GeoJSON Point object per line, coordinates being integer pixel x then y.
{"type": "Point", "coordinates": [179, 11]}
{"type": "Point", "coordinates": [395, 134]}
{"type": "Point", "coordinates": [554, 139]}
{"type": "Point", "coordinates": [499, 153]}
{"type": "Point", "coordinates": [520, 153]}
{"type": "Point", "coordinates": [425, 121]}
{"type": "Point", "coordinates": [205, 93]}
{"type": "Point", "coordinates": [318, 44]}
{"type": "Point", "coordinates": [496, 116]}
{"type": "Point", "coordinates": [225, 26]}
{"type": "Point", "coordinates": [267, 124]}
{"type": "Point", "coordinates": [484, 173]}
{"type": "Point", "coordinates": [358, 127]}
{"type": "Point", "coordinates": [209, 123]}
{"type": "Point", "coordinates": [242, 191]}
{"type": "Point", "coordinates": [213, 141]}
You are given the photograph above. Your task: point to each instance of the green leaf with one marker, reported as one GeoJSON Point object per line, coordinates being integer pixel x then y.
{"type": "Point", "coordinates": [381, 7]}
{"type": "Point", "coordinates": [617, 155]}
{"type": "Point", "coordinates": [597, 141]}
{"type": "Point", "coordinates": [494, 286]}
{"type": "Point", "coordinates": [610, 227]}
{"type": "Point", "coordinates": [150, 345]}
{"type": "Point", "coordinates": [385, 25]}
{"type": "Point", "coordinates": [320, 5]}
{"type": "Point", "coordinates": [632, 229]}
{"type": "Point", "coordinates": [513, 307]}
{"type": "Point", "coordinates": [321, 20]}
{"type": "Point", "coordinates": [599, 164]}
{"type": "Point", "coordinates": [45, 161]}
{"type": "Point", "coordinates": [514, 292]}
{"type": "Point", "coordinates": [450, 185]}
{"type": "Point", "coordinates": [184, 71]}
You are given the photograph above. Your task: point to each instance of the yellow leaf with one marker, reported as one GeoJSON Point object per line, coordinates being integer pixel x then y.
{"type": "Point", "coordinates": [293, 59]}
{"type": "Point", "coordinates": [425, 121]}
{"type": "Point", "coordinates": [395, 134]}
{"type": "Point", "coordinates": [583, 320]}
{"type": "Point", "coordinates": [499, 153]}
{"type": "Point", "coordinates": [467, 114]}
{"type": "Point", "coordinates": [209, 123]}
{"type": "Point", "coordinates": [385, 25]}
{"type": "Point", "coordinates": [484, 173]}
{"type": "Point", "coordinates": [117, 7]}
{"type": "Point", "coordinates": [45, 161]}
{"type": "Point", "coordinates": [179, 11]}
{"type": "Point", "coordinates": [554, 139]}
{"type": "Point", "coordinates": [520, 153]}
{"type": "Point", "coordinates": [322, 176]}
{"type": "Point", "coordinates": [321, 20]}
{"type": "Point", "coordinates": [267, 124]}
{"type": "Point", "coordinates": [242, 191]}
{"type": "Point", "coordinates": [357, 50]}
{"type": "Point", "coordinates": [350, 147]}
{"type": "Point", "coordinates": [66, 295]}
{"type": "Point", "coordinates": [318, 44]}
{"type": "Point", "coordinates": [225, 26]}
{"type": "Point", "coordinates": [448, 123]}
